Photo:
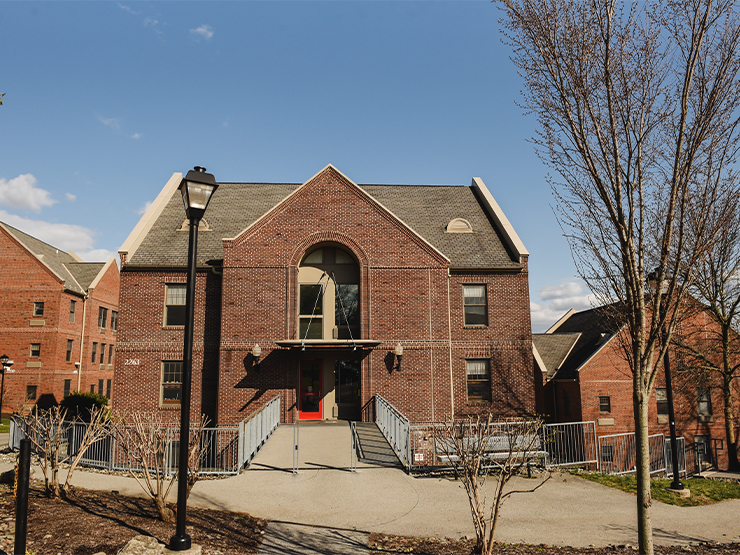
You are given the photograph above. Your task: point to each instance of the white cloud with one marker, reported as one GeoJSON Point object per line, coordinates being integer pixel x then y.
{"type": "Point", "coordinates": [556, 301]}
{"type": "Point", "coordinates": [128, 9]}
{"type": "Point", "coordinates": [150, 22]}
{"type": "Point", "coordinates": [136, 136]}
{"type": "Point", "coordinates": [21, 192]}
{"type": "Point", "coordinates": [141, 211]}
{"type": "Point", "coordinates": [66, 237]}
{"type": "Point", "coordinates": [202, 32]}
{"type": "Point", "coordinates": [113, 123]}
{"type": "Point", "coordinates": [70, 197]}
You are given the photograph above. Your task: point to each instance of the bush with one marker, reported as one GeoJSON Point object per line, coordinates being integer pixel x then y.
{"type": "Point", "coordinates": [80, 404]}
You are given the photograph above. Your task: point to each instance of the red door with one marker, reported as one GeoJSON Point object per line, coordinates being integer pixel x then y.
{"type": "Point", "coordinates": [309, 404]}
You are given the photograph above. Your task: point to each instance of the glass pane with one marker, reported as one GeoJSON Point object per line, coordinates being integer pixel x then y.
{"type": "Point", "coordinates": [479, 391]}
{"type": "Point", "coordinates": [170, 393]}
{"type": "Point", "coordinates": [315, 330]}
{"type": "Point", "coordinates": [477, 369]}
{"type": "Point", "coordinates": [310, 386]}
{"type": "Point", "coordinates": [475, 315]}
{"type": "Point", "coordinates": [347, 305]}
{"type": "Point", "coordinates": [175, 295]}
{"type": "Point", "coordinates": [310, 299]}
{"type": "Point", "coordinates": [474, 294]}
{"type": "Point", "coordinates": [343, 257]}
{"type": "Point", "coordinates": [175, 316]}
{"type": "Point", "coordinates": [347, 381]}
{"type": "Point", "coordinates": [316, 257]}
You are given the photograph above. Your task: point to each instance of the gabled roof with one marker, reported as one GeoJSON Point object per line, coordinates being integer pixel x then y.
{"type": "Point", "coordinates": [554, 348]}
{"type": "Point", "coordinates": [67, 266]}
{"type": "Point", "coordinates": [594, 329]}
{"type": "Point", "coordinates": [159, 240]}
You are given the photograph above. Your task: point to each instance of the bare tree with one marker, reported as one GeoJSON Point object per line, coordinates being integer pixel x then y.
{"type": "Point", "coordinates": [477, 447]}
{"type": "Point", "coordinates": [50, 433]}
{"type": "Point", "coordinates": [634, 100]}
{"type": "Point", "coordinates": [147, 441]}
{"type": "Point", "coordinates": [713, 349]}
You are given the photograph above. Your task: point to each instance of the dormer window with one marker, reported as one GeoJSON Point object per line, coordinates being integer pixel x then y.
{"type": "Point", "coordinates": [459, 225]}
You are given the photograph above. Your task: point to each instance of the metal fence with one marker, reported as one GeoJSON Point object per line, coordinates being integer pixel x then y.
{"type": "Point", "coordinates": [224, 450]}
{"type": "Point", "coordinates": [396, 429]}
{"type": "Point", "coordinates": [618, 454]}
{"type": "Point", "coordinates": [571, 444]}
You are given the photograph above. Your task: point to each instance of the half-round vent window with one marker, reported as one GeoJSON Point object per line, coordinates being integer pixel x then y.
{"type": "Point", "coordinates": [459, 225]}
{"type": "Point", "coordinates": [202, 225]}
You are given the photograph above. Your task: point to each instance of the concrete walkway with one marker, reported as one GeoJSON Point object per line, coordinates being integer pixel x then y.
{"type": "Point", "coordinates": [326, 494]}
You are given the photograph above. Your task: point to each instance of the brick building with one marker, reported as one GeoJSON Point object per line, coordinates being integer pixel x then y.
{"type": "Point", "coordinates": [58, 322]}
{"type": "Point", "coordinates": [586, 377]}
{"type": "Point", "coordinates": [329, 278]}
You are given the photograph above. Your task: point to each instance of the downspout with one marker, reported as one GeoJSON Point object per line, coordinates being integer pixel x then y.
{"type": "Point", "coordinates": [449, 344]}
{"type": "Point", "coordinates": [82, 341]}
{"type": "Point", "coordinates": [431, 337]}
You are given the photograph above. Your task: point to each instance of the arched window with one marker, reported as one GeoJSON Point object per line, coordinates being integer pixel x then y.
{"type": "Point", "coordinates": [329, 294]}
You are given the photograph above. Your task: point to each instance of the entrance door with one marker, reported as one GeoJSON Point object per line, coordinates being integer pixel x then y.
{"type": "Point", "coordinates": [347, 389]}
{"type": "Point", "coordinates": [309, 407]}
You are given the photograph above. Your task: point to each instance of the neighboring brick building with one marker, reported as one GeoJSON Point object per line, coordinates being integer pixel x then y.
{"type": "Point", "coordinates": [58, 313]}
{"type": "Point", "coordinates": [586, 377]}
{"type": "Point", "coordinates": [328, 277]}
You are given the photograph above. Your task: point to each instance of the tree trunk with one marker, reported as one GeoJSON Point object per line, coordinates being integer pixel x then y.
{"type": "Point", "coordinates": [644, 501]}
{"type": "Point", "coordinates": [164, 512]}
{"type": "Point", "coordinates": [732, 463]}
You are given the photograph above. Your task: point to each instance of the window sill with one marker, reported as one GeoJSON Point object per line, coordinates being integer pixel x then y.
{"type": "Point", "coordinates": [169, 407]}
{"type": "Point", "coordinates": [474, 326]}
{"type": "Point", "coordinates": [174, 327]}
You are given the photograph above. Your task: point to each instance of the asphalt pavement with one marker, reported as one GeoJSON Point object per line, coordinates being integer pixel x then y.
{"type": "Point", "coordinates": [327, 508]}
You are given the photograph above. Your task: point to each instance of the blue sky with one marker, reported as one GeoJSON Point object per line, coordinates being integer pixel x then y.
{"type": "Point", "coordinates": [105, 100]}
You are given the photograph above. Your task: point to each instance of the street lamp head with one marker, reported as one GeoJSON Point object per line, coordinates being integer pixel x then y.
{"type": "Point", "coordinates": [4, 359]}
{"type": "Point", "coordinates": [196, 188]}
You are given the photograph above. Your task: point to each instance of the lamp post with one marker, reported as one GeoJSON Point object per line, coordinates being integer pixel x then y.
{"type": "Point", "coordinates": [660, 291]}
{"type": "Point", "coordinates": [6, 364]}
{"type": "Point", "coordinates": [197, 188]}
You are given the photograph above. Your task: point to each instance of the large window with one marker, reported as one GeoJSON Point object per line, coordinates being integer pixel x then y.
{"type": "Point", "coordinates": [171, 382]}
{"type": "Point", "coordinates": [704, 401]}
{"type": "Point", "coordinates": [479, 380]}
{"type": "Point", "coordinates": [102, 317]}
{"type": "Point", "coordinates": [329, 295]}
{"type": "Point", "coordinates": [475, 305]}
{"type": "Point", "coordinates": [174, 305]}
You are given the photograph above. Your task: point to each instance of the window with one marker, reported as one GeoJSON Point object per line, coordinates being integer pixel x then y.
{"type": "Point", "coordinates": [100, 387]}
{"type": "Point", "coordinates": [38, 309]}
{"type": "Point", "coordinates": [662, 400]}
{"type": "Point", "coordinates": [174, 309]}
{"type": "Point", "coordinates": [607, 453]}
{"type": "Point", "coordinates": [31, 392]}
{"type": "Point", "coordinates": [479, 380]}
{"type": "Point", "coordinates": [171, 382]}
{"type": "Point", "coordinates": [72, 308]}
{"type": "Point", "coordinates": [110, 354]}
{"type": "Point", "coordinates": [70, 343]}
{"type": "Point", "coordinates": [102, 353]}
{"type": "Point", "coordinates": [474, 301]}
{"type": "Point", "coordinates": [94, 351]}
{"type": "Point", "coordinates": [114, 320]}
{"type": "Point", "coordinates": [35, 349]}
{"type": "Point", "coordinates": [704, 401]}
{"type": "Point", "coordinates": [102, 317]}
{"type": "Point", "coordinates": [605, 403]}
{"type": "Point", "coordinates": [310, 311]}
{"type": "Point", "coordinates": [92, 388]}
{"type": "Point", "coordinates": [67, 387]}
{"type": "Point", "coordinates": [107, 388]}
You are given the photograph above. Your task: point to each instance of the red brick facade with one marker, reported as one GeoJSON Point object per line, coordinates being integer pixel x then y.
{"type": "Point", "coordinates": [26, 281]}
{"type": "Point", "coordinates": [407, 294]}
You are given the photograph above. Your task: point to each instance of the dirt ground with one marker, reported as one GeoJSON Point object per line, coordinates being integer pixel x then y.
{"type": "Point", "coordinates": [94, 521]}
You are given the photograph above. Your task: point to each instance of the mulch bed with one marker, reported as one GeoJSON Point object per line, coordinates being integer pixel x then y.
{"type": "Point", "coordinates": [94, 521]}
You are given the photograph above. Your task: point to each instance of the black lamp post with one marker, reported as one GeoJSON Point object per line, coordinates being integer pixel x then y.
{"type": "Point", "coordinates": [197, 188]}
{"type": "Point", "coordinates": [6, 363]}
{"type": "Point", "coordinates": [676, 483]}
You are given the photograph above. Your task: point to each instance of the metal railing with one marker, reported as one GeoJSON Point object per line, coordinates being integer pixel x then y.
{"type": "Point", "coordinates": [395, 427]}
{"type": "Point", "coordinates": [570, 444]}
{"type": "Point", "coordinates": [618, 454]}
{"type": "Point", "coordinates": [354, 446]}
{"type": "Point", "coordinates": [255, 430]}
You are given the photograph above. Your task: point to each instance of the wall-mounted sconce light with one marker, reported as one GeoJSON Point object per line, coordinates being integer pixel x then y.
{"type": "Point", "coordinates": [256, 354]}
{"type": "Point", "coordinates": [398, 351]}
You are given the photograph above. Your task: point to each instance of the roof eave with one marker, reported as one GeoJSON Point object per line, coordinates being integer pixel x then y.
{"type": "Point", "coordinates": [502, 222]}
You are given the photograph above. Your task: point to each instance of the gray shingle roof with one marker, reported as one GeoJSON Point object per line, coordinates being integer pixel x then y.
{"type": "Point", "coordinates": [553, 348]}
{"type": "Point", "coordinates": [77, 276]}
{"type": "Point", "coordinates": [426, 209]}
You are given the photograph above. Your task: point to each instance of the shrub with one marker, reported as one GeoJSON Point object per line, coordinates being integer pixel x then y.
{"type": "Point", "coordinates": [81, 405]}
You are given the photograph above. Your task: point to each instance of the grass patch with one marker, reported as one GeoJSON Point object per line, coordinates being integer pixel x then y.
{"type": "Point", "coordinates": [4, 425]}
{"type": "Point", "coordinates": [703, 491]}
